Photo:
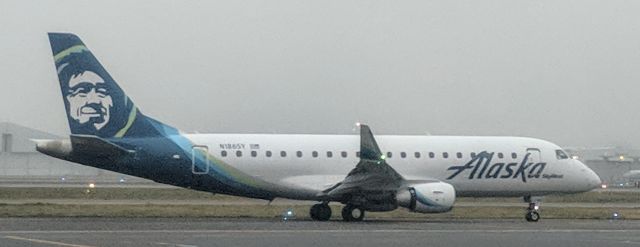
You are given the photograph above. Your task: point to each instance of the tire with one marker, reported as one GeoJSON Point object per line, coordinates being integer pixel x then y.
{"type": "Point", "coordinates": [532, 216]}
{"type": "Point", "coordinates": [313, 212]}
{"type": "Point", "coordinates": [352, 213]}
{"type": "Point", "coordinates": [320, 212]}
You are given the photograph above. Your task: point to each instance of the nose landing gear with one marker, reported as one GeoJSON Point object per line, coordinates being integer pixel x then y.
{"type": "Point", "coordinates": [532, 214]}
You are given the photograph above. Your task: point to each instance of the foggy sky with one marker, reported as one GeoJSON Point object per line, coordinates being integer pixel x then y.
{"type": "Point", "coordinates": [564, 71]}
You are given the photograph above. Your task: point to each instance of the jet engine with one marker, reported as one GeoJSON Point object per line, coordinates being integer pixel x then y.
{"type": "Point", "coordinates": [436, 197]}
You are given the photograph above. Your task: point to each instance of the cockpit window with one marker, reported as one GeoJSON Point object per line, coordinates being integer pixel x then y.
{"type": "Point", "coordinates": [561, 155]}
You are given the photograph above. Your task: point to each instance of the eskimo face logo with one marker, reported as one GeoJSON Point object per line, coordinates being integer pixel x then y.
{"type": "Point", "coordinates": [89, 99]}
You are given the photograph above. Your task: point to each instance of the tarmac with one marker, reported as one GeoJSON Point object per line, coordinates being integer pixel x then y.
{"type": "Point", "coordinates": [275, 232]}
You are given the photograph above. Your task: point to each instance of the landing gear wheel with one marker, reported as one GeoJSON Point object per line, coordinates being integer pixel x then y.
{"type": "Point", "coordinates": [532, 216]}
{"type": "Point", "coordinates": [320, 212]}
{"type": "Point", "coordinates": [352, 213]}
{"type": "Point", "coordinates": [532, 211]}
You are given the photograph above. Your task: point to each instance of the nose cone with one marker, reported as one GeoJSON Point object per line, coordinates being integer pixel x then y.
{"type": "Point", "coordinates": [592, 179]}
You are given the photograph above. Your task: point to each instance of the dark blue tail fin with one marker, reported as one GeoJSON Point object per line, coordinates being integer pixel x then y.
{"type": "Point", "coordinates": [94, 103]}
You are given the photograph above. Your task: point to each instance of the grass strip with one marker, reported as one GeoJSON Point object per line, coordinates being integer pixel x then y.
{"type": "Point", "coordinates": [185, 194]}
{"type": "Point", "coordinates": [271, 211]}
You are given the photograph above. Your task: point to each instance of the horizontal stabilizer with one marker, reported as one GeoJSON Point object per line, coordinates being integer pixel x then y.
{"type": "Point", "coordinates": [96, 146]}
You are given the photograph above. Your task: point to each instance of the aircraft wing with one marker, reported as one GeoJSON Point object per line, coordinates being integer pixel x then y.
{"type": "Point", "coordinates": [372, 175]}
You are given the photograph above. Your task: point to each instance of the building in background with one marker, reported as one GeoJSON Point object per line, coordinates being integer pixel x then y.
{"type": "Point", "coordinates": [20, 163]}
{"type": "Point", "coordinates": [616, 166]}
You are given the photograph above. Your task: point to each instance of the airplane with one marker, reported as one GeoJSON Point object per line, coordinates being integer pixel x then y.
{"type": "Point", "coordinates": [423, 174]}
{"type": "Point", "coordinates": [633, 176]}
{"type": "Point", "coordinates": [620, 158]}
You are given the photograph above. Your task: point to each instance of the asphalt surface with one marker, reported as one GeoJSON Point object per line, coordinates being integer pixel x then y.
{"type": "Point", "coordinates": [274, 232]}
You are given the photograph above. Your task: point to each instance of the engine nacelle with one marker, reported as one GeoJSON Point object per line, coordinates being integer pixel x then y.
{"type": "Point", "coordinates": [437, 197]}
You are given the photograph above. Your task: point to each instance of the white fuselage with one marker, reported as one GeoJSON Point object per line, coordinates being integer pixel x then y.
{"type": "Point", "coordinates": [425, 157]}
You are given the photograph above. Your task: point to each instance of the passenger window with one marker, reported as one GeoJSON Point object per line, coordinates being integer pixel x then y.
{"type": "Point", "coordinates": [403, 155]}
{"type": "Point", "coordinates": [268, 153]}
{"type": "Point", "coordinates": [299, 154]}
{"type": "Point", "coordinates": [223, 153]}
{"type": "Point", "coordinates": [358, 154]}
{"type": "Point", "coordinates": [514, 155]}
{"type": "Point", "coordinates": [561, 155]}
{"type": "Point", "coordinates": [314, 154]}
{"type": "Point", "coordinates": [283, 154]}
{"type": "Point", "coordinates": [344, 154]}
{"type": "Point", "coordinates": [500, 155]}
{"type": "Point", "coordinates": [473, 155]}
{"type": "Point", "coordinates": [389, 154]}
{"type": "Point", "coordinates": [445, 155]}
{"type": "Point", "coordinates": [459, 155]}
{"type": "Point", "coordinates": [432, 155]}
{"type": "Point", "coordinates": [254, 153]}
{"type": "Point", "coordinates": [239, 153]}
{"type": "Point", "coordinates": [417, 155]}
{"type": "Point", "coordinates": [329, 154]}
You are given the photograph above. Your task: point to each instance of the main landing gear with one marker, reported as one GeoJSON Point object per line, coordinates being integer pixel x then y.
{"type": "Point", "coordinates": [322, 212]}
{"type": "Point", "coordinates": [532, 214]}
{"type": "Point", "coordinates": [352, 213]}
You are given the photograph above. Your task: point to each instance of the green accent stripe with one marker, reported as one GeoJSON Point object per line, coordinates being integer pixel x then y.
{"type": "Point", "coordinates": [235, 174]}
{"type": "Point", "coordinates": [132, 116]}
{"type": "Point", "coordinates": [68, 51]}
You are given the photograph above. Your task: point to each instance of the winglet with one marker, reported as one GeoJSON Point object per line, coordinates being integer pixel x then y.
{"type": "Point", "coordinates": [368, 147]}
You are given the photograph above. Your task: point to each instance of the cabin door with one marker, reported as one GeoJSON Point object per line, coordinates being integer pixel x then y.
{"type": "Point", "coordinates": [200, 160]}
{"type": "Point", "coordinates": [535, 156]}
